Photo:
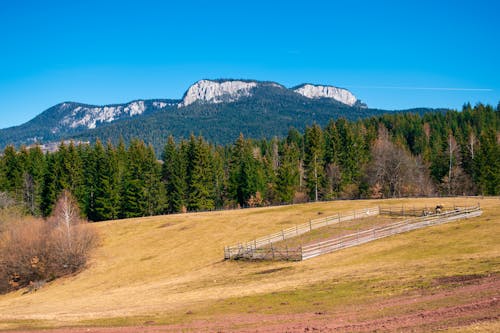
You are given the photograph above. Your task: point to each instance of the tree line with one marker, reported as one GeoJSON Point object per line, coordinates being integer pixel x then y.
{"type": "Point", "coordinates": [392, 155]}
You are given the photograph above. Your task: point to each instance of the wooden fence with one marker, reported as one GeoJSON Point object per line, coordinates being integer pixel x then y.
{"type": "Point", "coordinates": [331, 245]}
{"type": "Point", "coordinates": [264, 249]}
{"type": "Point", "coordinates": [406, 211]}
{"type": "Point", "coordinates": [258, 248]}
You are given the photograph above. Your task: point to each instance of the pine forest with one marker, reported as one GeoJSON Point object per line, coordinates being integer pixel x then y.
{"type": "Point", "coordinates": [398, 155]}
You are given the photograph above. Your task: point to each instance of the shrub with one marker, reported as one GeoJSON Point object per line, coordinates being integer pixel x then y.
{"type": "Point", "coordinates": [36, 250]}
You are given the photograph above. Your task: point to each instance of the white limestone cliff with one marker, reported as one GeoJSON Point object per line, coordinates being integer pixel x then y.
{"type": "Point", "coordinates": [318, 91]}
{"type": "Point", "coordinates": [90, 116]}
{"type": "Point", "coordinates": [209, 91]}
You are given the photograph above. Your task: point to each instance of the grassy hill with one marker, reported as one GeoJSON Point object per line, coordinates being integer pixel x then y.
{"type": "Point", "coordinates": [169, 270]}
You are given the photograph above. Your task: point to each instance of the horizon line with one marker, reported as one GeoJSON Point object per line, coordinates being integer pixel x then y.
{"type": "Point", "coordinates": [423, 88]}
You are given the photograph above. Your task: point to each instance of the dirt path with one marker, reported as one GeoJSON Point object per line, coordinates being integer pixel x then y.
{"type": "Point", "coordinates": [452, 303]}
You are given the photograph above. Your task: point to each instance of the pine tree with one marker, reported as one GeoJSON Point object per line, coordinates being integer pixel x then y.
{"type": "Point", "coordinates": [12, 170]}
{"type": "Point", "coordinates": [133, 201]}
{"type": "Point", "coordinates": [270, 163]}
{"type": "Point", "coordinates": [102, 183]}
{"type": "Point", "coordinates": [174, 176]}
{"type": "Point", "coordinates": [33, 179]}
{"type": "Point", "coordinates": [333, 150]}
{"type": "Point", "coordinates": [287, 180]}
{"type": "Point", "coordinates": [487, 164]}
{"type": "Point", "coordinates": [154, 192]}
{"type": "Point", "coordinates": [244, 177]}
{"type": "Point", "coordinates": [314, 161]}
{"type": "Point", "coordinates": [49, 193]}
{"type": "Point", "coordinates": [68, 171]}
{"type": "Point", "coordinates": [90, 182]}
{"type": "Point", "coordinates": [220, 168]}
{"type": "Point", "coordinates": [199, 176]}
{"type": "Point", "coordinates": [353, 156]}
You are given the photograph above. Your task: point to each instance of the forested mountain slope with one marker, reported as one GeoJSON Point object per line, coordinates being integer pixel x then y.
{"type": "Point", "coordinates": [217, 109]}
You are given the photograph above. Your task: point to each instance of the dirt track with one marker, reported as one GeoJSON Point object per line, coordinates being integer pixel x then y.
{"type": "Point", "coordinates": [452, 302]}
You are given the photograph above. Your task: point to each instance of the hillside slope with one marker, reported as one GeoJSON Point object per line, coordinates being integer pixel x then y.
{"type": "Point", "coordinates": [169, 270]}
{"type": "Point", "coordinates": [65, 119]}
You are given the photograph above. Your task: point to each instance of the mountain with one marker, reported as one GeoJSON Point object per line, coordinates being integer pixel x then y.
{"type": "Point", "coordinates": [226, 91]}
{"type": "Point", "coordinates": [65, 119]}
{"type": "Point", "coordinates": [217, 109]}
{"type": "Point", "coordinates": [219, 91]}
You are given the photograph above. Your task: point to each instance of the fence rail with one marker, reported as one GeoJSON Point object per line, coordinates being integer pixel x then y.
{"type": "Point", "coordinates": [245, 250]}
{"type": "Point", "coordinates": [264, 249]}
{"type": "Point", "coordinates": [331, 245]}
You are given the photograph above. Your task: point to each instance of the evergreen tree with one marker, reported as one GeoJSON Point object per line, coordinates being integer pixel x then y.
{"type": "Point", "coordinates": [91, 177]}
{"type": "Point", "coordinates": [12, 170]}
{"type": "Point", "coordinates": [174, 177]}
{"type": "Point", "coordinates": [154, 192]}
{"type": "Point", "coordinates": [33, 179]}
{"type": "Point", "coordinates": [314, 161]}
{"type": "Point", "coordinates": [487, 164]}
{"type": "Point", "coordinates": [220, 169]}
{"type": "Point", "coordinates": [353, 156]}
{"type": "Point", "coordinates": [68, 171]}
{"type": "Point", "coordinates": [199, 176]}
{"type": "Point", "coordinates": [333, 149]}
{"type": "Point", "coordinates": [49, 195]}
{"type": "Point", "coordinates": [103, 183]}
{"type": "Point", "coordinates": [133, 201]}
{"type": "Point", "coordinates": [287, 180]}
{"type": "Point", "coordinates": [244, 177]}
{"type": "Point", "coordinates": [270, 162]}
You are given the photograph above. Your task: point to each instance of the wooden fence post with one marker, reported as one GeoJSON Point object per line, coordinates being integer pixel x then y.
{"type": "Point", "coordinates": [310, 225]}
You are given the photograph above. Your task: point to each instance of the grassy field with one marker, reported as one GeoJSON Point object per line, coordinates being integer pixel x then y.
{"type": "Point", "coordinates": [170, 269]}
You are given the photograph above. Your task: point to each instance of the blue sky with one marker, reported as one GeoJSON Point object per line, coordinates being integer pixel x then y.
{"type": "Point", "coordinates": [390, 54]}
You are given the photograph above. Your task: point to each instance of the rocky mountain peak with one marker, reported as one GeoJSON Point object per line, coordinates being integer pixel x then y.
{"type": "Point", "coordinates": [89, 116]}
{"type": "Point", "coordinates": [210, 91]}
{"type": "Point", "coordinates": [319, 91]}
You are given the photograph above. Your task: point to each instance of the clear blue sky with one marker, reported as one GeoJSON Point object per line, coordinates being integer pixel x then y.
{"type": "Point", "coordinates": [102, 52]}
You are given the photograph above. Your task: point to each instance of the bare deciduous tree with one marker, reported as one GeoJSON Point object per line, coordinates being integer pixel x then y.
{"type": "Point", "coordinates": [394, 172]}
{"type": "Point", "coordinates": [66, 216]}
{"type": "Point", "coordinates": [33, 250]}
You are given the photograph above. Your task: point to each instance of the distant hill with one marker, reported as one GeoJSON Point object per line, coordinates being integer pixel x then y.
{"type": "Point", "coordinates": [217, 109]}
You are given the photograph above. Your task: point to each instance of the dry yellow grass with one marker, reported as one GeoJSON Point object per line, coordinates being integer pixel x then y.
{"type": "Point", "coordinates": [162, 267]}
